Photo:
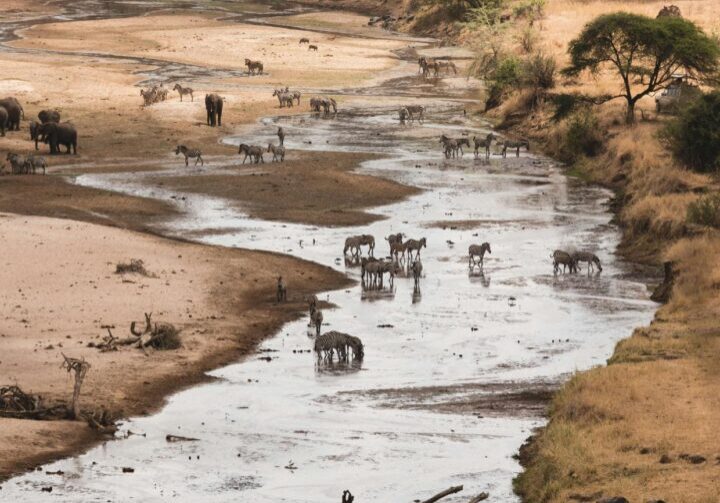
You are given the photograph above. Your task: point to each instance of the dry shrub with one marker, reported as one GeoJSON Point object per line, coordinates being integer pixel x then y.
{"type": "Point", "coordinates": [166, 337]}
{"type": "Point", "coordinates": [697, 265]}
{"type": "Point", "coordinates": [661, 216]}
{"type": "Point", "coordinates": [135, 266]}
{"type": "Point", "coordinates": [705, 211]}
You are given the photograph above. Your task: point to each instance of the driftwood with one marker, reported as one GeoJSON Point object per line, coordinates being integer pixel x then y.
{"type": "Point", "coordinates": [16, 404]}
{"type": "Point", "coordinates": [479, 497]}
{"type": "Point", "coordinates": [446, 492]}
{"type": "Point", "coordinates": [158, 336]}
{"type": "Point", "coordinates": [80, 368]}
{"type": "Point", "coordinates": [178, 438]}
{"type": "Point", "coordinates": [103, 423]}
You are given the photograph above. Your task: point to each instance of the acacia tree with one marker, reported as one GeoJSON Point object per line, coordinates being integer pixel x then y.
{"type": "Point", "coordinates": [645, 52]}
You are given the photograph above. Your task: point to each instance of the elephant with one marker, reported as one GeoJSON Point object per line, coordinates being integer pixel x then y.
{"type": "Point", "coordinates": [59, 134]}
{"type": "Point", "coordinates": [214, 107]}
{"type": "Point", "coordinates": [15, 112]}
{"type": "Point", "coordinates": [34, 134]}
{"type": "Point", "coordinates": [3, 120]}
{"type": "Point", "coordinates": [49, 116]}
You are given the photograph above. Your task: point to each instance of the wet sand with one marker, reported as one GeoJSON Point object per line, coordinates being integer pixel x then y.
{"type": "Point", "coordinates": [319, 188]}
{"type": "Point", "coordinates": [61, 290]}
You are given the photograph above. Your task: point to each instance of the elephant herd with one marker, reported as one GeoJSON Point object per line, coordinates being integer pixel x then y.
{"type": "Point", "coordinates": [47, 129]}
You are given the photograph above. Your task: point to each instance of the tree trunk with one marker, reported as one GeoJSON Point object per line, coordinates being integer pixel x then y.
{"type": "Point", "coordinates": [630, 118]}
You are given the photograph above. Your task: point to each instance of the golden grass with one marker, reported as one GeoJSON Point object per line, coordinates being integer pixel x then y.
{"type": "Point", "coordinates": [660, 393]}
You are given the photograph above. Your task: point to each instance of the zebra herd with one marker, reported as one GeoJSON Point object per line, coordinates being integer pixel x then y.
{"type": "Point", "coordinates": [452, 147]}
{"type": "Point", "coordinates": [332, 343]}
{"type": "Point", "coordinates": [435, 66]}
{"type": "Point", "coordinates": [154, 94]}
{"type": "Point", "coordinates": [26, 165]}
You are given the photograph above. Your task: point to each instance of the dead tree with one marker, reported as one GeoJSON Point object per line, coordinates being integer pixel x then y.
{"type": "Point", "coordinates": [80, 368]}
{"type": "Point", "coordinates": [446, 492]}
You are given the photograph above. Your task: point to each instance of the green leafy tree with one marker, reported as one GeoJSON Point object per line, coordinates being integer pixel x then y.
{"type": "Point", "coordinates": [694, 137]}
{"type": "Point", "coordinates": [645, 52]}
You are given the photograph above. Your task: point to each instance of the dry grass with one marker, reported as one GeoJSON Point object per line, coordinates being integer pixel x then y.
{"type": "Point", "coordinates": [659, 395]}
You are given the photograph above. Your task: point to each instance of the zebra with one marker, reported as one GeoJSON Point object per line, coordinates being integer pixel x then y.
{"type": "Point", "coordinates": [278, 152]}
{"type": "Point", "coordinates": [414, 110]}
{"type": "Point", "coordinates": [355, 242]}
{"type": "Point", "coordinates": [394, 238]}
{"type": "Point", "coordinates": [417, 272]}
{"type": "Point", "coordinates": [33, 162]}
{"type": "Point", "coordinates": [284, 98]}
{"type": "Point", "coordinates": [316, 319]}
{"type": "Point", "coordinates": [184, 91]}
{"type": "Point", "coordinates": [17, 163]}
{"type": "Point", "coordinates": [281, 135]}
{"type": "Point", "coordinates": [149, 96]}
{"type": "Point", "coordinates": [486, 143]}
{"type": "Point", "coordinates": [477, 251]}
{"type": "Point", "coordinates": [190, 153]}
{"type": "Point", "coordinates": [364, 267]}
{"type": "Point", "coordinates": [450, 146]}
{"type": "Point", "coordinates": [460, 142]}
{"type": "Point", "coordinates": [404, 114]}
{"type": "Point", "coordinates": [295, 94]}
{"type": "Point", "coordinates": [281, 290]}
{"type": "Point", "coordinates": [339, 343]}
{"type": "Point", "coordinates": [562, 257]}
{"type": "Point", "coordinates": [397, 250]}
{"type": "Point", "coordinates": [254, 67]}
{"type": "Point", "coordinates": [312, 301]}
{"type": "Point", "coordinates": [312, 47]}
{"type": "Point", "coordinates": [414, 244]}
{"type": "Point", "coordinates": [588, 257]}
{"type": "Point", "coordinates": [304, 41]}
{"type": "Point", "coordinates": [255, 153]}
{"type": "Point", "coordinates": [425, 66]}
{"type": "Point", "coordinates": [516, 145]}
{"type": "Point", "coordinates": [445, 65]}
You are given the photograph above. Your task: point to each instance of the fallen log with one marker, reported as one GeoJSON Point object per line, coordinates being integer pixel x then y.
{"type": "Point", "coordinates": [479, 497]}
{"type": "Point", "coordinates": [178, 438]}
{"type": "Point", "coordinates": [446, 492]}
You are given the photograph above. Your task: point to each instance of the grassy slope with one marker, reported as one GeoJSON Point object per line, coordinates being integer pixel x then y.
{"type": "Point", "coordinates": [658, 396]}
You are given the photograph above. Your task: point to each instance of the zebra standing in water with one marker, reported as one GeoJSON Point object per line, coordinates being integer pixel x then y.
{"type": "Point", "coordinates": [486, 143]}
{"type": "Point", "coordinates": [477, 251]}
{"type": "Point", "coordinates": [190, 153]}
{"type": "Point", "coordinates": [281, 135]}
{"type": "Point", "coordinates": [316, 319]}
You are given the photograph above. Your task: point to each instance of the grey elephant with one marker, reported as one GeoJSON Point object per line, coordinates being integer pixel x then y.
{"type": "Point", "coordinates": [214, 107]}
{"type": "Point", "coordinates": [3, 120]}
{"type": "Point", "coordinates": [59, 134]}
{"type": "Point", "coordinates": [49, 116]}
{"type": "Point", "coordinates": [15, 112]}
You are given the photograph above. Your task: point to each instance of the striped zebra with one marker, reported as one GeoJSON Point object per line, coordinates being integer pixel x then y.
{"type": "Point", "coordinates": [477, 251]}
{"type": "Point", "coordinates": [33, 163]}
{"type": "Point", "coordinates": [190, 153]}
{"type": "Point", "coordinates": [184, 91]}
{"type": "Point", "coordinates": [588, 257]}
{"type": "Point", "coordinates": [296, 95]}
{"type": "Point", "coordinates": [417, 272]}
{"type": "Point", "coordinates": [278, 152]}
{"type": "Point", "coordinates": [254, 152]}
{"type": "Point", "coordinates": [316, 319]}
{"type": "Point", "coordinates": [416, 245]}
{"type": "Point", "coordinates": [339, 343]}
{"type": "Point", "coordinates": [563, 258]}
{"type": "Point", "coordinates": [510, 144]}
{"type": "Point", "coordinates": [483, 143]}
{"type": "Point", "coordinates": [254, 67]}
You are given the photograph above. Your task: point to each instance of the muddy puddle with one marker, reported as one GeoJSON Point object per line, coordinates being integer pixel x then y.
{"type": "Point", "coordinates": [455, 375]}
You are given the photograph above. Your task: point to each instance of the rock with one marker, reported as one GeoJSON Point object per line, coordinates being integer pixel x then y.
{"type": "Point", "coordinates": [696, 459]}
{"type": "Point", "coordinates": [645, 450]}
{"type": "Point", "coordinates": [665, 459]}
{"type": "Point", "coordinates": [127, 469]}
{"type": "Point", "coordinates": [614, 499]}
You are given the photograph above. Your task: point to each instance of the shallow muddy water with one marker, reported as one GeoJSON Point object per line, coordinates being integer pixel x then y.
{"type": "Point", "coordinates": [454, 376]}
{"type": "Point", "coordinates": [426, 409]}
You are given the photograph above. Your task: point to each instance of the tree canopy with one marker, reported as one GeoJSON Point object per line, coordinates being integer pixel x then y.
{"type": "Point", "coordinates": [647, 53]}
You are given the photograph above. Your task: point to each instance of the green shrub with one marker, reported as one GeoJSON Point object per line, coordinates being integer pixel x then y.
{"type": "Point", "coordinates": [539, 71]}
{"type": "Point", "coordinates": [582, 138]}
{"type": "Point", "coordinates": [531, 9]}
{"type": "Point", "coordinates": [705, 211]}
{"type": "Point", "coordinates": [694, 136]}
{"type": "Point", "coordinates": [564, 104]}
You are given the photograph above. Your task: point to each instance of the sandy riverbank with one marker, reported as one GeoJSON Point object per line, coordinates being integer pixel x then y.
{"type": "Point", "coordinates": [59, 279]}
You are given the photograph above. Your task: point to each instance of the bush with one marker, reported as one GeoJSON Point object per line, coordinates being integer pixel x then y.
{"type": "Point", "coordinates": [531, 9]}
{"type": "Point", "coordinates": [564, 104]}
{"type": "Point", "coordinates": [705, 211]}
{"type": "Point", "coordinates": [528, 39]}
{"type": "Point", "coordinates": [694, 137]}
{"type": "Point", "coordinates": [539, 71]}
{"type": "Point", "coordinates": [583, 137]}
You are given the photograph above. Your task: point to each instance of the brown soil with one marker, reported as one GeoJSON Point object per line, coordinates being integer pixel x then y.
{"type": "Point", "coordinates": [59, 274]}
{"type": "Point", "coordinates": [314, 188]}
